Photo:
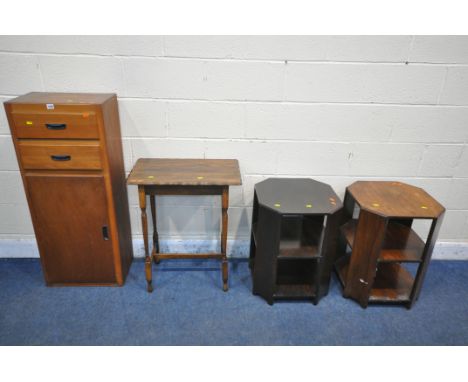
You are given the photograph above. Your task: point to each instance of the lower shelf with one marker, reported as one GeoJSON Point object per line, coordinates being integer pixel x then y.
{"type": "Point", "coordinates": [299, 252]}
{"type": "Point", "coordinates": [296, 279]}
{"type": "Point", "coordinates": [392, 283]}
{"type": "Point", "coordinates": [294, 291]}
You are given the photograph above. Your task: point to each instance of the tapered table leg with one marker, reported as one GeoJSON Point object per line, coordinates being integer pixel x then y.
{"type": "Point", "coordinates": [144, 224]}
{"type": "Point", "coordinates": [155, 228]}
{"type": "Point", "coordinates": [224, 216]}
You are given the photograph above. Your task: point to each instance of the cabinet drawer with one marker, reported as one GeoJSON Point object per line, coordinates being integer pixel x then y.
{"type": "Point", "coordinates": [60, 155]}
{"type": "Point", "coordinates": [56, 125]}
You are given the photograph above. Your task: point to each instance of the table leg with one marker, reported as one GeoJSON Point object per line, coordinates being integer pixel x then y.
{"type": "Point", "coordinates": [155, 228]}
{"type": "Point", "coordinates": [144, 223]}
{"type": "Point", "coordinates": [224, 206]}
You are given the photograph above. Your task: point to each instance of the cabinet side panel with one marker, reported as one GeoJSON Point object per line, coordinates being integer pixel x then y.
{"type": "Point", "coordinates": [113, 143]}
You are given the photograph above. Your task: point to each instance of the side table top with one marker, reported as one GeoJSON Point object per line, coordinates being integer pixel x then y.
{"type": "Point", "coordinates": [395, 199]}
{"type": "Point", "coordinates": [185, 172]}
{"type": "Point", "coordinates": [297, 196]}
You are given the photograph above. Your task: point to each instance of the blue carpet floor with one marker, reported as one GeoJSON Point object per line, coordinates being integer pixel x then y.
{"type": "Point", "coordinates": [188, 307]}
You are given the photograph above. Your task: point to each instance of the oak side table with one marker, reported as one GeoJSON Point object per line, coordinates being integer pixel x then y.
{"type": "Point", "coordinates": [293, 242]}
{"type": "Point", "coordinates": [155, 176]}
{"type": "Point", "coordinates": [378, 243]}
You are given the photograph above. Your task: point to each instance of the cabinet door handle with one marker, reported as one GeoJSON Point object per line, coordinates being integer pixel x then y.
{"type": "Point", "coordinates": [60, 157]}
{"type": "Point", "coordinates": [105, 232]}
{"type": "Point", "coordinates": [56, 126]}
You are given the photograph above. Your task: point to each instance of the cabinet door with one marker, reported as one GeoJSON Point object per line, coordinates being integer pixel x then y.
{"type": "Point", "coordinates": [70, 219]}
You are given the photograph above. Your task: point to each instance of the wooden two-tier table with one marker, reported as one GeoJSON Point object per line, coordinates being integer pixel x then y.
{"type": "Point", "coordinates": [378, 243]}
{"type": "Point", "coordinates": [293, 242]}
{"type": "Point", "coordinates": [155, 176]}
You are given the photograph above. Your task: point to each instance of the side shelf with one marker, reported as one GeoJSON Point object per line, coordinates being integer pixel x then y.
{"type": "Point", "coordinates": [295, 247]}
{"type": "Point", "coordinates": [401, 243]}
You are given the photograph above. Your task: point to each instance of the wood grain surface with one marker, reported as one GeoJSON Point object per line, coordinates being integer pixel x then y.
{"type": "Point", "coordinates": [395, 199]}
{"type": "Point", "coordinates": [42, 154]}
{"type": "Point", "coordinates": [187, 172]}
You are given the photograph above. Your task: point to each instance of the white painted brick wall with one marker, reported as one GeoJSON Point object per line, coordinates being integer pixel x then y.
{"type": "Point", "coordinates": [20, 73]}
{"type": "Point", "coordinates": [440, 49]}
{"type": "Point", "coordinates": [143, 118]}
{"type": "Point", "coordinates": [93, 74]}
{"type": "Point", "coordinates": [461, 171]}
{"type": "Point", "coordinates": [456, 83]}
{"type": "Point", "coordinates": [318, 158]}
{"type": "Point", "coordinates": [203, 79]}
{"type": "Point", "coordinates": [97, 45]}
{"type": "Point", "coordinates": [336, 108]}
{"type": "Point", "coordinates": [11, 188]}
{"type": "Point", "coordinates": [206, 47]}
{"type": "Point", "coordinates": [382, 83]}
{"type": "Point", "coordinates": [8, 160]}
{"type": "Point", "coordinates": [4, 129]}
{"type": "Point", "coordinates": [440, 160]}
{"type": "Point", "coordinates": [389, 159]}
{"type": "Point", "coordinates": [192, 119]}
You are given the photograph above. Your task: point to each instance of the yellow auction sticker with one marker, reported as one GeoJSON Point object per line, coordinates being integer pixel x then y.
{"type": "Point", "coordinates": [29, 123]}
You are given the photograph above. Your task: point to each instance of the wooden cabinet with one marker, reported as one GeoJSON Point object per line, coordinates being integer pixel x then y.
{"type": "Point", "coordinates": [70, 155]}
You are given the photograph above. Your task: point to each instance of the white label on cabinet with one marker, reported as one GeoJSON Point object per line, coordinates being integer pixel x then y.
{"type": "Point", "coordinates": [50, 106]}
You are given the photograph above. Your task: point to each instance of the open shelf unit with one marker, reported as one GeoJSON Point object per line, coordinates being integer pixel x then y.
{"type": "Point", "coordinates": [378, 243]}
{"type": "Point", "coordinates": [296, 278]}
{"type": "Point", "coordinates": [297, 257]}
{"type": "Point", "coordinates": [290, 252]}
{"type": "Point", "coordinates": [300, 237]}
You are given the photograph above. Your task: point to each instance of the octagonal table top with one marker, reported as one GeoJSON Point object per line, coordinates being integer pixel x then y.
{"type": "Point", "coordinates": [395, 199]}
{"type": "Point", "coordinates": [297, 196]}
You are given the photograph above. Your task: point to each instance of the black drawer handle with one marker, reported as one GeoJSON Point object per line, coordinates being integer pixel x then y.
{"type": "Point", "coordinates": [105, 232]}
{"type": "Point", "coordinates": [56, 126]}
{"type": "Point", "coordinates": [61, 157]}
